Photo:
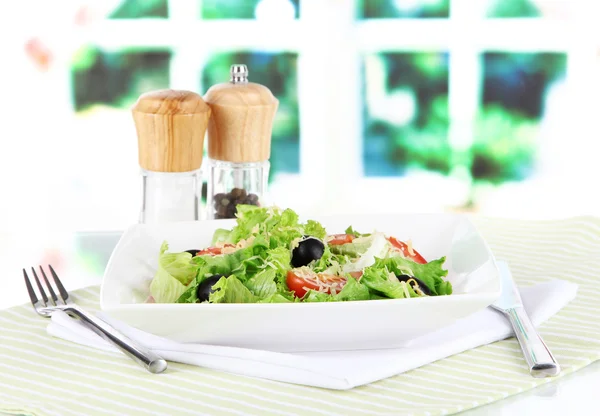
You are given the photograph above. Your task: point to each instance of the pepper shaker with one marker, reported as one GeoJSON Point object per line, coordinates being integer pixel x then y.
{"type": "Point", "coordinates": [239, 143]}
{"type": "Point", "coordinates": [170, 125]}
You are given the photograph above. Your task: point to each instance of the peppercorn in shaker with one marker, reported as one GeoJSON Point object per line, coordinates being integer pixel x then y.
{"type": "Point", "coordinates": [239, 143]}
{"type": "Point", "coordinates": [170, 126]}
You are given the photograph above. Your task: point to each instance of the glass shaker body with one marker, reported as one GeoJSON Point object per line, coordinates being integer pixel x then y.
{"type": "Point", "coordinates": [231, 184]}
{"type": "Point", "coordinates": [170, 196]}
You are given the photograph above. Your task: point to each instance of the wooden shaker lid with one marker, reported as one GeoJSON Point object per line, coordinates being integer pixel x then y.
{"type": "Point", "coordinates": [170, 125]}
{"type": "Point", "coordinates": [242, 119]}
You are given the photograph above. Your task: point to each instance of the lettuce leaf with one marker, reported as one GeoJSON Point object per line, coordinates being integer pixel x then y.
{"type": "Point", "coordinates": [314, 229]}
{"type": "Point", "coordinates": [354, 249]}
{"type": "Point", "coordinates": [243, 263]}
{"type": "Point", "coordinates": [378, 248]}
{"type": "Point", "coordinates": [231, 290]}
{"type": "Point", "coordinates": [221, 235]}
{"type": "Point", "coordinates": [189, 296]}
{"type": "Point", "coordinates": [279, 227]}
{"type": "Point", "coordinates": [164, 288]}
{"type": "Point", "coordinates": [178, 265]}
{"type": "Point", "coordinates": [355, 233]}
{"type": "Point", "coordinates": [250, 220]}
{"type": "Point", "coordinates": [263, 284]}
{"type": "Point", "coordinates": [174, 273]}
{"type": "Point", "coordinates": [431, 274]}
{"type": "Point", "coordinates": [276, 298]}
{"type": "Point", "coordinates": [352, 290]}
{"type": "Point", "coordinates": [378, 280]}
{"type": "Point", "coordinates": [260, 269]}
{"type": "Point", "coordinates": [315, 296]}
{"type": "Point", "coordinates": [210, 265]}
{"type": "Point", "coordinates": [279, 259]}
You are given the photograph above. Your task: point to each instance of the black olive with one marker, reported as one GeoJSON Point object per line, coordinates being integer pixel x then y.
{"type": "Point", "coordinates": [309, 249]}
{"type": "Point", "coordinates": [192, 252]}
{"type": "Point", "coordinates": [422, 286]}
{"type": "Point", "coordinates": [205, 288]}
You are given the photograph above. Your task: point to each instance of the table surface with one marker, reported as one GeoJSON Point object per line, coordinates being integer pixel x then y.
{"type": "Point", "coordinates": [576, 393]}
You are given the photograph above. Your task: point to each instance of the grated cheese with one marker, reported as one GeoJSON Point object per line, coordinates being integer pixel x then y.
{"type": "Point", "coordinates": [409, 245]}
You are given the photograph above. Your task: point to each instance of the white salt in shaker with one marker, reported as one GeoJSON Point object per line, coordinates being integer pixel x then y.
{"type": "Point", "coordinates": [171, 125]}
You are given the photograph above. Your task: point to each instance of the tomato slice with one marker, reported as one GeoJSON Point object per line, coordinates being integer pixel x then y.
{"type": "Point", "coordinates": [356, 275]}
{"type": "Point", "coordinates": [213, 251]}
{"type": "Point", "coordinates": [301, 282]}
{"type": "Point", "coordinates": [339, 239]}
{"type": "Point", "coordinates": [403, 248]}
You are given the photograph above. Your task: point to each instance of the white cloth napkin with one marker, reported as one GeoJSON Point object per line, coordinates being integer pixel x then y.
{"type": "Point", "coordinates": [335, 370]}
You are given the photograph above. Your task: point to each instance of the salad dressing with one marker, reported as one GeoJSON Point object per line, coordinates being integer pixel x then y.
{"type": "Point", "coordinates": [239, 143]}
{"type": "Point", "coordinates": [170, 126]}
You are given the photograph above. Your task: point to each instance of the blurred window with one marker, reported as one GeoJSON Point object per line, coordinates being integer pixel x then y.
{"type": "Point", "coordinates": [135, 9]}
{"type": "Point", "coordinates": [376, 9]}
{"type": "Point", "coordinates": [385, 105]}
{"type": "Point", "coordinates": [456, 93]}
{"type": "Point", "coordinates": [248, 9]}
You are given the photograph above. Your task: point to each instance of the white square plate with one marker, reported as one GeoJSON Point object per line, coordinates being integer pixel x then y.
{"type": "Point", "coordinates": [326, 326]}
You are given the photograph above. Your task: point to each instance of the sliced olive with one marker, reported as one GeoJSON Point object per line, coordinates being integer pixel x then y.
{"type": "Point", "coordinates": [422, 286]}
{"type": "Point", "coordinates": [309, 249]}
{"type": "Point", "coordinates": [205, 288]}
{"type": "Point", "coordinates": [192, 252]}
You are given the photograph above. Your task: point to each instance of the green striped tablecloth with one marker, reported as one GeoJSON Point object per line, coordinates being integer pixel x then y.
{"type": "Point", "coordinates": [40, 375]}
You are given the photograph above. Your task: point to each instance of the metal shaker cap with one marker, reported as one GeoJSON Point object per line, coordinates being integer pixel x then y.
{"type": "Point", "coordinates": [238, 73]}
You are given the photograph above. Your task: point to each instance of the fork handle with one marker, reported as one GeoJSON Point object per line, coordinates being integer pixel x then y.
{"type": "Point", "coordinates": [539, 358]}
{"type": "Point", "coordinates": [142, 355]}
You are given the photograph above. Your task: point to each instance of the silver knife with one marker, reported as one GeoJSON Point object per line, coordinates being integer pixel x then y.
{"type": "Point", "coordinates": [539, 358]}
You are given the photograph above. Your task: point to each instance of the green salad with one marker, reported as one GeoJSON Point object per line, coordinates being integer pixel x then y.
{"type": "Point", "coordinates": [269, 256]}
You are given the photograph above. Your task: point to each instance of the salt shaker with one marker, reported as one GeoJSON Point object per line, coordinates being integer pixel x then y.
{"type": "Point", "coordinates": [239, 143]}
{"type": "Point", "coordinates": [170, 125]}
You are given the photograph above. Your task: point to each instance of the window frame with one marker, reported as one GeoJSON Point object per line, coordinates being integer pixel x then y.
{"type": "Point", "coordinates": [330, 42]}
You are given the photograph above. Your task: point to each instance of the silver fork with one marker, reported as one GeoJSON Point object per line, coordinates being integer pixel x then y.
{"type": "Point", "coordinates": [48, 305]}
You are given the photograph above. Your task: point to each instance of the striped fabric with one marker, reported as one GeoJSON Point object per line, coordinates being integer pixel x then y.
{"type": "Point", "coordinates": [40, 375]}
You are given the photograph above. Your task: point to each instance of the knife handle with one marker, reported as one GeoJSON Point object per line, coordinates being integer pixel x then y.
{"type": "Point", "coordinates": [539, 358]}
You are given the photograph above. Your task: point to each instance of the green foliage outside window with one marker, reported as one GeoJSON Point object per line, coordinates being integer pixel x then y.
{"type": "Point", "coordinates": [505, 128]}
{"type": "Point", "coordinates": [234, 9]}
{"type": "Point", "coordinates": [278, 73]}
{"type": "Point", "coordinates": [117, 79]}
{"type": "Point", "coordinates": [512, 8]}
{"type": "Point", "coordinates": [373, 9]}
{"type": "Point", "coordinates": [132, 9]}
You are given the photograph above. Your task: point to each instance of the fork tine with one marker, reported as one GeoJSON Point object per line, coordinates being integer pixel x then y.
{"type": "Point", "coordinates": [30, 290]}
{"type": "Point", "coordinates": [49, 286]}
{"type": "Point", "coordinates": [61, 289]}
{"type": "Point", "coordinates": [39, 285]}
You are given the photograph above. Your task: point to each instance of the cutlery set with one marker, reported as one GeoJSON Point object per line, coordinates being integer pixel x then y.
{"type": "Point", "coordinates": [51, 302]}
{"type": "Point", "coordinates": [540, 360]}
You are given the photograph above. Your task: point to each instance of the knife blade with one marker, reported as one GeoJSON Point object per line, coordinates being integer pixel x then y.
{"type": "Point", "coordinates": [537, 354]}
